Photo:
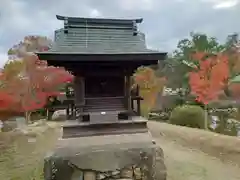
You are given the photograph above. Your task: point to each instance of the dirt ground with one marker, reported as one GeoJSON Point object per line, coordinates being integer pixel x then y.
{"type": "Point", "coordinates": [190, 154]}
{"type": "Point", "coordinates": [21, 156]}
{"type": "Point", "coordinates": [185, 158]}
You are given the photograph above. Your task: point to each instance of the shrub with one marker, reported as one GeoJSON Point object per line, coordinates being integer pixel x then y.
{"type": "Point", "coordinates": [188, 115]}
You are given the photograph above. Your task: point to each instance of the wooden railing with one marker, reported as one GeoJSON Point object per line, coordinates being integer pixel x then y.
{"type": "Point", "coordinates": [99, 104]}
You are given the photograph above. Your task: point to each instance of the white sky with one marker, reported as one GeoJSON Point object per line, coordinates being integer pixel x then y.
{"type": "Point", "coordinates": [165, 21]}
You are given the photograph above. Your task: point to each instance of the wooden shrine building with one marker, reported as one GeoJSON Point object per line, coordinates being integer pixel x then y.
{"type": "Point", "coordinates": [102, 54]}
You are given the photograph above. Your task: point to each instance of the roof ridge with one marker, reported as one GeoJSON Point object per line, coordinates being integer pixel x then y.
{"type": "Point", "coordinates": [99, 20]}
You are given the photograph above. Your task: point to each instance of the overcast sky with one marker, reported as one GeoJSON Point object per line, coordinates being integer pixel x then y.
{"type": "Point", "coordinates": [165, 21]}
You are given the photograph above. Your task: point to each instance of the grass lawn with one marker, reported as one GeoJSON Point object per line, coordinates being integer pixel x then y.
{"type": "Point", "coordinates": [22, 159]}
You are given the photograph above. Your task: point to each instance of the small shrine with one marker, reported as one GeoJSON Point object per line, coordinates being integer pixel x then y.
{"type": "Point", "coordinates": [102, 54]}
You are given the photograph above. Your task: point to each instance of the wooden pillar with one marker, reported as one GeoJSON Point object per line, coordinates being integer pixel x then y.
{"type": "Point", "coordinates": [132, 104]}
{"type": "Point", "coordinates": [127, 92]}
{"type": "Point", "coordinates": [139, 107]}
{"type": "Point", "coordinates": [67, 112]}
{"type": "Point", "coordinates": [48, 114]}
{"type": "Point", "coordinates": [138, 102]}
{"type": "Point", "coordinates": [79, 89]}
{"type": "Point", "coordinates": [73, 109]}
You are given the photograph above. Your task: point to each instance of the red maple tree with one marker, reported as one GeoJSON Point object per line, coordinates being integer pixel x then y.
{"type": "Point", "coordinates": [209, 78]}
{"type": "Point", "coordinates": [30, 89]}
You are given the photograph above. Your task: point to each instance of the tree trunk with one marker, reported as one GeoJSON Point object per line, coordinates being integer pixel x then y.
{"type": "Point", "coordinates": [28, 116]}
{"type": "Point", "coordinates": [47, 115]}
{"type": "Point", "coordinates": [205, 117]}
{"type": "Point", "coordinates": [227, 91]}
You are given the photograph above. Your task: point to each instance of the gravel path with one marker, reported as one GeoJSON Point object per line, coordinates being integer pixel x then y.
{"type": "Point", "coordinates": [185, 163]}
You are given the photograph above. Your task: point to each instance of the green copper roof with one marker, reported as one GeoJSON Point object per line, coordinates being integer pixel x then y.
{"type": "Point", "coordinates": [99, 36]}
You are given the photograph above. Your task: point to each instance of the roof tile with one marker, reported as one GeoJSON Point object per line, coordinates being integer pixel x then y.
{"type": "Point", "coordinates": [99, 38]}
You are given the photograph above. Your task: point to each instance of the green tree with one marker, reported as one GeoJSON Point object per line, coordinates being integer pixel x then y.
{"type": "Point", "coordinates": [177, 67]}
{"type": "Point", "coordinates": [232, 48]}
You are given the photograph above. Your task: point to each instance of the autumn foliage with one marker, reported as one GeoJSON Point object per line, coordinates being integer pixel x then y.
{"type": "Point", "coordinates": [30, 88]}
{"type": "Point", "coordinates": [149, 84]}
{"type": "Point", "coordinates": [29, 44]}
{"type": "Point", "coordinates": [210, 77]}
{"type": "Point", "coordinates": [25, 81]}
